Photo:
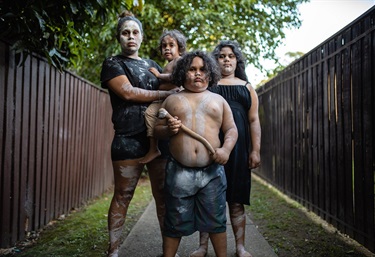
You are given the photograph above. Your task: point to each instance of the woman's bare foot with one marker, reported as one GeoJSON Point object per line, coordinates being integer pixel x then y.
{"type": "Point", "coordinates": [150, 156]}
{"type": "Point", "coordinates": [200, 252]}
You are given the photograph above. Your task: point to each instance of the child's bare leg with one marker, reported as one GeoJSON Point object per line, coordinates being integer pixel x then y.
{"type": "Point", "coordinates": [153, 151]}
{"type": "Point", "coordinates": [203, 245]}
{"type": "Point", "coordinates": [170, 246]}
{"type": "Point", "coordinates": [219, 242]}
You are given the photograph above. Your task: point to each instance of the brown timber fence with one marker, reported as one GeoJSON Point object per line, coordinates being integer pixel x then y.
{"type": "Point", "coordinates": [318, 132]}
{"type": "Point", "coordinates": [55, 134]}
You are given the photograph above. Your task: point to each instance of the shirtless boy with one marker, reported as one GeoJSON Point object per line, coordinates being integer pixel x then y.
{"type": "Point", "coordinates": [172, 46]}
{"type": "Point", "coordinates": [195, 182]}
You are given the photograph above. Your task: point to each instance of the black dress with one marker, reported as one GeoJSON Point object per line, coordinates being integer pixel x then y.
{"type": "Point", "coordinates": [237, 168]}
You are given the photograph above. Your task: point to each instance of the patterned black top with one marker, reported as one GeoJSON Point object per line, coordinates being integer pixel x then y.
{"type": "Point", "coordinates": [127, 116]}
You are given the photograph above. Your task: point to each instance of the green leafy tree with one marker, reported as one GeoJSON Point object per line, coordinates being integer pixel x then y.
{"type": "Point", "coordinates": [258, 26]}
{"type": "Point", "coordinates": [56, 30]}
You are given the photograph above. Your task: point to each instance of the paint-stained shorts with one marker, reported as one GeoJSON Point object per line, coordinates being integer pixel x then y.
{"type": "Point", "coordinates": [195, 199]}
{"type": "Point", "coordinates": [135, 146]}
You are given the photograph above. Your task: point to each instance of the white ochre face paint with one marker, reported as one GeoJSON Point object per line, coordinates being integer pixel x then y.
{"type": "Point", "coordinates": [130, 37]}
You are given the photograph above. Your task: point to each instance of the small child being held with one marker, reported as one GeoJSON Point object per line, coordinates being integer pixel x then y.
{"type": "Point", "coordinates": [172, 46]}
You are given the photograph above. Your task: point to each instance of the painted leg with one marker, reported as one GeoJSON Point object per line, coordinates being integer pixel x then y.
{"type": "Point", "coordinates": [126, 174]}
{"type": "Point", "coordinates": [238, 220]}
{"type": "Point", "coordinates": [219, 242]}
{"type": "Point", "coordinates": [203, 245]}
{"type": "Point", "coordinates": [170, 246]}
{"type": "Point", "coordinates": [157, 174]}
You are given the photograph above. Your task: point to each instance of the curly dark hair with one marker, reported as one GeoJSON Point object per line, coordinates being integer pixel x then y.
{"type": "Point", "coordinates": [240, 69]}
{"type": "Point", "coordinates": [183, 65]}
{"type": "Point", "coordinates": [178, 36]}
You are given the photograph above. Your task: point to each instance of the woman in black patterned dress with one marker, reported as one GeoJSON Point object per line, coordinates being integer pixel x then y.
{"type": "Point", "coordinates": [245, 156]}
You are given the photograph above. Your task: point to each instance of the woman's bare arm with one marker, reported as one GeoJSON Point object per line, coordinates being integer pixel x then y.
{"type": "Point", "coordinates": [255, 129]}
{"type": "Point", "coordinates": [124, 89]}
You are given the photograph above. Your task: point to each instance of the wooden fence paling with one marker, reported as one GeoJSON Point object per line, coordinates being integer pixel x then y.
{"type": "Point", "coordinates": [368, 72]}
{"type": "Point", "coordinates": [3, 60]}
{"type": "Point", "coordinates": [329, 162]}
{"type": "Point", "coordinates": [55, 134]}
{"type": "Point", "coordinates": [7, 159]}
{"type": "Point", "coordinates": [19, 188]}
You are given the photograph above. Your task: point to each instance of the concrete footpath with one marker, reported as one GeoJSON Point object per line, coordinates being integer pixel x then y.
{"type": "Point", "coordinates": [144, 240]}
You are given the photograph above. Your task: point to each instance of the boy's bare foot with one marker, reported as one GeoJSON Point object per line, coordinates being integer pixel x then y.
{"type": "Point", "coordinates": [243, 253]}
{"type": "Point", "coordinates": [200, 252]}
{"type": "Point", "coordinates": [150, 156]}
{"type": "Point", "coordinates": [114, 253]}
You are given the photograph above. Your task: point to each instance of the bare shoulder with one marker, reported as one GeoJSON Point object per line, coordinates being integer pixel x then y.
{"type": "Point", "coordinates": [175, 60]}
{"type": "Point", "coordinates": [216, 97]}
{"type": "Point", "coordinates": [250, 87]}
{"type": "Point", "coordinates": [171, 99]}
{"type": "Point", "coordinates": [169, 67]}
{"type": "Point", "coordinates": [253, 93]}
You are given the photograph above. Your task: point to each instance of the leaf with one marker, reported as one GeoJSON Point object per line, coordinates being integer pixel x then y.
{"type": "Point", "coordinates": [73, 7]}
{"type": "Point", "coordinates": [129, 4]}
{"type": "Point", "coordinates": [41, 21]}
{"type": "Point", "coordinates": [52, 52]}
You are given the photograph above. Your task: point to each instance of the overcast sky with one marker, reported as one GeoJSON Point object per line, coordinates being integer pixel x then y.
{"type": "Point", "coordinates": [320, 20]}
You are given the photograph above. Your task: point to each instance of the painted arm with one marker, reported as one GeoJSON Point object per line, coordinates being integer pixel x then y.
{"type": "Point", "coordinates": [255, 130]}
{"type": "Point", "coordinates": [121, 86]}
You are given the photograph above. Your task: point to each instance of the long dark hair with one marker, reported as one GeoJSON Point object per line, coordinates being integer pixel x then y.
{"type": "Point", "coordinates": [240, 69]}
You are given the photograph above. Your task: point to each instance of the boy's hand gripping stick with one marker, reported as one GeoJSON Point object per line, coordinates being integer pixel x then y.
{"type": "Point", "coordinates": [164, 114]}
